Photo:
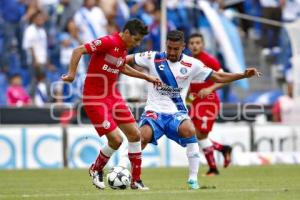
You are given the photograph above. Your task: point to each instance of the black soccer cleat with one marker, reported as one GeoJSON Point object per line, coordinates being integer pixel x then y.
{"type": "Point", "coordinates": [227, 155]}
{"type": "Point", "coordinates": [212, 172]}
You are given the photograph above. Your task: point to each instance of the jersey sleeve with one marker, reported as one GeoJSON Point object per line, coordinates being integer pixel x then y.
{"type": "Point", "coordinates": [144, 59]}
{"type": "Point", "coordinates": [201, 72]}
{"type": "Point", "coordinates": [100, 45]}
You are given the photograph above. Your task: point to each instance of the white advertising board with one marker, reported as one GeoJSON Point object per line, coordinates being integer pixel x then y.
{"type": "Point", "coordinates": [31, 147]}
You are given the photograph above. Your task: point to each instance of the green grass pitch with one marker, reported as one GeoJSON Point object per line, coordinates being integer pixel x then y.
{"type": "Point", "coordinates": [278, 182]}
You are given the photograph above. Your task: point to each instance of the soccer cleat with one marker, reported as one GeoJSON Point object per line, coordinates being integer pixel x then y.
{"type": "Point", "coordinates": [227, 155]}
{"type": "Point", "coordinates": [193, 184]}
{"type": "Point", "coordinates": [97, 178]}
{"type": "Point", "coordinates": [138, 185]}
{"type": "Point", "coordinates": [212, 172]}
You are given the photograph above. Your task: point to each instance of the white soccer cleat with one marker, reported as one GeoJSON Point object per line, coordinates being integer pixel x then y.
{"type": "Point", "coordinates": [97, 178]}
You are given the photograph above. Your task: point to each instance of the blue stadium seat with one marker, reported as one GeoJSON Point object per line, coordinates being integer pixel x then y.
{"type": "Point", "coordinates": [3, 87]}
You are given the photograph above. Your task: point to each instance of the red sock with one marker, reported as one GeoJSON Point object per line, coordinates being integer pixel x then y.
{"type": "Point", "coordinates": [217, 146]}
{"type": "Point", "coordinates": [136, 162]}
{"type": "Point", "coordinates": [100, 162]}
{"type": "Point", "coordinates": [209, 155]}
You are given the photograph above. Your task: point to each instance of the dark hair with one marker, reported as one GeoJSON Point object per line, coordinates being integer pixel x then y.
{"type": "Point", "coordinates": [13, 75]}
{"type": "Point", "coordinates": [34, 15]}
{"type": "Point", "coordinates": [175, 36]}
{"type": "Point", "coordinates": [193, 35]}
{"type": "Point", "coordinates": [135, 27]}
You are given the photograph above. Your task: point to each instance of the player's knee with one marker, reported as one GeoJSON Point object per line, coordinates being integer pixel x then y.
{"type": "Point", "coordinates": [188, 132]}
{"type": "Point", "coordinates": [134, 136]}
{"type": "Point", "coordinates": [194, 153]}
{"type": "Point", "coordinates": [146, 135]}
{"type": "Point", "coordinates": [201, 135]}
{"type": "Point", "coordinates": [116, 142]}
{"type": "Point", "coordinates": [144, 142]}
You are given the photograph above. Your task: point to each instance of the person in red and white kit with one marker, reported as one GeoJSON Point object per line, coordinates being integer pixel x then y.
{"type": "Point", "coordinates": [206, 105]}
{"type": "Point", "coordinates": [102, 101]}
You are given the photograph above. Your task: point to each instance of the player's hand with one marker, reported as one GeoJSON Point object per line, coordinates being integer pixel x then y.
{"type": "Point", "coordinates": [156, 81]}
{"type": "Point", "coordinates": [204, 92]}
{"type": "Point", "coordinates": [251, 71]}
{"type": "Point", "coordinates": [67, 78]}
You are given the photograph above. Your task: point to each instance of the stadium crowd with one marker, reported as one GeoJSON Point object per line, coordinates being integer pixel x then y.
{"type": "Point", "coordinates": [37, 38]}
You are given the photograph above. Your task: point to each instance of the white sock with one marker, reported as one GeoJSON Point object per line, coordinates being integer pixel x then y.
{"type": "Point", "coordinates": [192, 152]}
{"type": "Point", "coordinates": [107, 150]}
{"type": "Point", "coordinates": [124, 161]}
{"type": "Point", "coordinates": [204, 143]}
{"type": "Point", "coordinates": [134, 147]}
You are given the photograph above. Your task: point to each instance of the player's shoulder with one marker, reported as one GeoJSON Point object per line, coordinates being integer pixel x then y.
{"type": "Point", "coordinates": [212, 61]}
{"type": "Point", "coordinates": [147, 54]}
{"type": "Point", "coordinates": [190, 61]}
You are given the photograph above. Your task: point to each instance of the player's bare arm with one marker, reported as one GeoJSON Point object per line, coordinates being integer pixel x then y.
{"type": "Point", "coordinates": [129, 71]}
{"type": "Point", "coordinates": [130, 59]}
{"type": "Point", "coordinates": [75, 58]}
{"type": "Point", "coordinates": [224, 77]}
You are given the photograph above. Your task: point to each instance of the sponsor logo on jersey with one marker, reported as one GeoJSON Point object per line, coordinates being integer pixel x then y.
{"type": "Point", "coordinates": [161, 67]}
{"type": "Point", "coordinates": [117, 61]}
{"type": "Point", "coordinates": [182, 77]}
{"type": "Point", "coordinates": [110, 70]}
{"type": "Point", "coordinates": [183, 70]}
{"type": "Point", "coordinates": [160, 60]}
{"type": "Point", "coordinates": [169, 91]}
{"type": "Point", "coordinates": [93, 47]}
{"type": "Point", "coordinates": [186, 64]}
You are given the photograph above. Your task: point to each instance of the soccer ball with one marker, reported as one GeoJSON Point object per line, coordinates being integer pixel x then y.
{"type": "Point", "coordinates": [118, 178]}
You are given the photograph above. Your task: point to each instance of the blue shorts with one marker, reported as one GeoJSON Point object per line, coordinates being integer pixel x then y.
{"type": "Point", "coordinates": [166, 124]}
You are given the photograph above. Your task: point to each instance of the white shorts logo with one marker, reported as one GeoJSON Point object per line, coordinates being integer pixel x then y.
{"type": "Point", "coordinates": [106, 124]}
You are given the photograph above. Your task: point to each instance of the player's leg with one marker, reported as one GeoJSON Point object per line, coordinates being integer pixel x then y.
{"type": "Point", "coordinates": [96, 169]}
{"type": "Point", "coordinates": [104, 124]}
{"type": "Point", "coordinates": [207, 147]}
{"type": "Point", "coordinates": [225, 150]}
{"type": "Point", "coordinates": [206, 113]}
{"type": "Point", "coordinates": [146, 135]}
{"type": "Point", "coordinates": [134, 153]}
{"type": "Point", "coordinates": [187, 135]}
{"type": "Point", "coordinates": [204, 116]}
{"type": "Point", "coordinates": [126, 122]}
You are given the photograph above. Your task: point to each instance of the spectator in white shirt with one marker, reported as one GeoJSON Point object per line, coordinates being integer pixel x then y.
{"type": "Point", "coordinates": [35, 41]}
{"type": "Point", "coordinates": [35, 45]}
{"type": "Point", "coordinates": [90, 21]}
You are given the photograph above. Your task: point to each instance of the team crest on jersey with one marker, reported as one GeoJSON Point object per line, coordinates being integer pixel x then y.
{"type": "Point", "coordinates": [106, 124]}
{"type": "Point", "coordinates": [119, 62]}
{"type": "Point", "coordinates": [183, 70]}
{"type": "Point", "coordinates": [97, 42]}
